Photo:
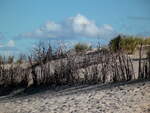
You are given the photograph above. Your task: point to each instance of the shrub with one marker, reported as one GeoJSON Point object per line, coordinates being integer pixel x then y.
{"type": "Point", "coordinates": [80, 47]}
{"type": "Point", "coordinates": [115, 43]}
{"type": "Point", "coordinates": [127, 43]}
{"type": "Point", "coordinates": [42, 53]}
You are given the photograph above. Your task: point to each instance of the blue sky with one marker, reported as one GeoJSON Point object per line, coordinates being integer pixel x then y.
{"type": "Point", "coordinates": [24, 22]}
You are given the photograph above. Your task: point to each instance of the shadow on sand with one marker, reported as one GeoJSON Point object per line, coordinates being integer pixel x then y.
{"type": "Point", "coordinates": [22, 92]}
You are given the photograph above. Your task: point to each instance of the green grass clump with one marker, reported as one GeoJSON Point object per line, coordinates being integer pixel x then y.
{"type": "Point", "coordinates": [80, 47]}
{"type": "Point", "coordinates": [127, 43]}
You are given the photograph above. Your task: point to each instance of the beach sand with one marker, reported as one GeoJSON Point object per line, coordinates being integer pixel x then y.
{"type": "Point", "coordinates": [132, 97]}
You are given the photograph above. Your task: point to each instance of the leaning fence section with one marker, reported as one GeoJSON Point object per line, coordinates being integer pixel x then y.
{"type": "Point", "coordinates": [96, 67]}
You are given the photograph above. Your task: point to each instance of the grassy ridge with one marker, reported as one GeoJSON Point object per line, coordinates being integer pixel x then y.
{"type": "Point", "coordinates": [127, 43]}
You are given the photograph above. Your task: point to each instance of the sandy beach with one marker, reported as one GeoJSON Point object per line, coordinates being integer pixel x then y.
{"type": "Point", "coordinates": [133, 97]}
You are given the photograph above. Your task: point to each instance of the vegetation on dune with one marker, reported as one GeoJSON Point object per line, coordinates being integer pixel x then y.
{"type": "Point", "coordinates": [80, 47]}
{"type": "Point", "coordinates": [127, 43]}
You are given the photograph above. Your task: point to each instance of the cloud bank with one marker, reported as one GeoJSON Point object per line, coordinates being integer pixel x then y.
{"type": "Point", "coordinates": [77, 26]}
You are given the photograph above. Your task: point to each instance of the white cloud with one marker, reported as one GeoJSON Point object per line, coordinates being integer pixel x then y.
{"type": "Point", "coordinates": [51, 26]}
{"type": "Point", "coordinates": [10, 43]}
{"type": "Point", "coordinates": [82, 26]}
{"type": "Point", "coordinates": [108, 27]}
{"type": "Point", "coordinates": [78, 26]}
{"type": "Point", "coordinates": [10, 46]}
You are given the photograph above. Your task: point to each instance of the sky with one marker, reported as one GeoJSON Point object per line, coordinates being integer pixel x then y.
{"type": "Point", "coordinates": [23, 23]}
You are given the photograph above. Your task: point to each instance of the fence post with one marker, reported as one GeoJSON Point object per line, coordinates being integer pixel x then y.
{"type": "Point", "coordinates": [140, 57]}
